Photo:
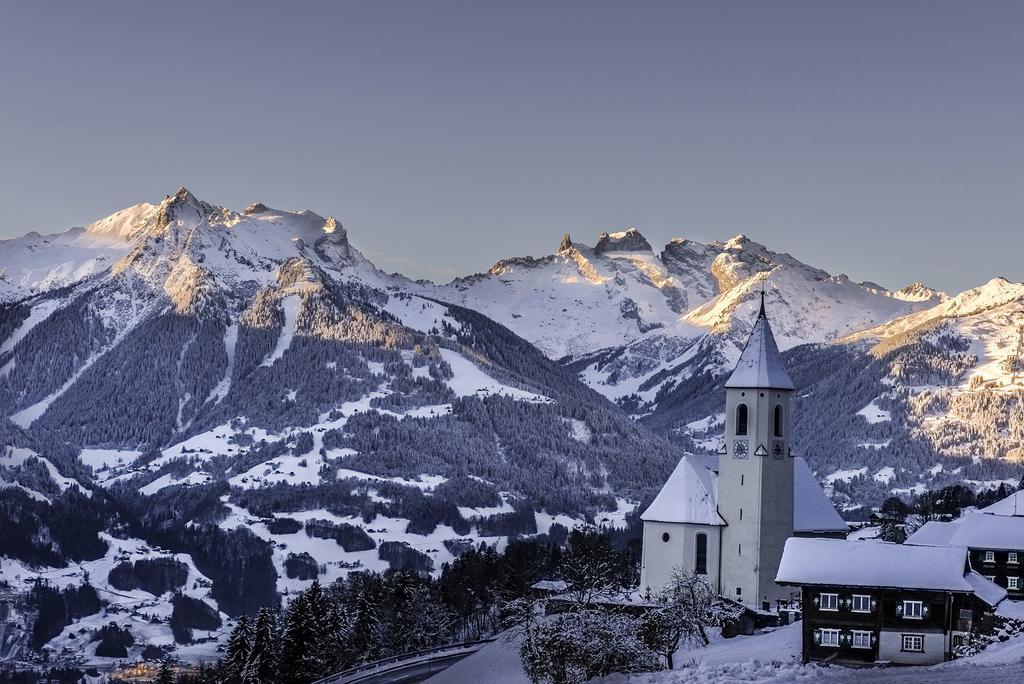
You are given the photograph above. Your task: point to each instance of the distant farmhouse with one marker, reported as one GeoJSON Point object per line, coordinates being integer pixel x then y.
{"type": "Point", "coordinates": [754, 520]}
{"type": "Point", "coordinates": [729, 516]}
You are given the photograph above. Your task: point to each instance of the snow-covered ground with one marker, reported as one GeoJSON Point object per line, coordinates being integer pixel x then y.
{"type": "Point", "coordinates": [772, 656]}
{"type": "Point", "coordinates": [144, 614]}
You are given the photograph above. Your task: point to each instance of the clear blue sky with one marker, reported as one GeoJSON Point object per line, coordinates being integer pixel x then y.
{"type": "Point", "coordinates": [880, 139]}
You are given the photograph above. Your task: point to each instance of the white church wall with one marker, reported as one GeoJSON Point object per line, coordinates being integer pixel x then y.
{"type": "Point", "coordinates": [661, 557]}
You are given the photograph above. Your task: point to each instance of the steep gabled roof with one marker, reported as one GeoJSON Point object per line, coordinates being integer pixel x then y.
{"type": "Point", "coordinates": [689, 496]}
{"type": "Point", "coordinates": [760, 364]}
{"type": "Point", "coordinates": [812, 510]}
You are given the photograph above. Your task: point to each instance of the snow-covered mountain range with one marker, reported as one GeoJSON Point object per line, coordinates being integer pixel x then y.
{"type": "Point", "coordinates": [229, 389]}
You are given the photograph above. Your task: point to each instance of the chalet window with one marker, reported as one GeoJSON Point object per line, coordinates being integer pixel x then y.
{"type": "Point", "coordinates": [830, 637]}
{"type": "Point", "coordinates": [912, 610]}
{"type": "Point", "coordinates": [778, 420]}
{"type": "Point", "coordinates": [829, 601]}
{"type": "Point", "coordinates": [700, 562]}
{"type": "Point", "coordinates": [861, 603]}
{"type": "Point", "coordinates": [913, 643]}
{"type": "Point", "coordinates": [990, 578]}
{"type": "Point", "coordinates": [861, 639]}
{"type": "Point", "coordinates": [990, 556]}
{"type": "Point", "coordinates": [965, 620]}
{"type": "Point", "coordinates": [1013, 582]}
{"type": "Point", "coordinates": [741, 419]}
{"type": "Point", "coordinates": [1011, 557]}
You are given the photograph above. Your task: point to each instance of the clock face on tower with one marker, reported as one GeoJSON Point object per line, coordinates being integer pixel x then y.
{"type": "Point", "coordinates": [739, 448]}
{"type": "Point", "coordinates": [779, 449]}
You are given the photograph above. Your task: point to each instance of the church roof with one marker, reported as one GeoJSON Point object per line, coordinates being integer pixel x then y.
{"type": "Point", "coordinates": [760, 364]}
{"type": "Point", "coordinates": [691, 496]}
{"type": "Point", "coordinates": [812, 510]}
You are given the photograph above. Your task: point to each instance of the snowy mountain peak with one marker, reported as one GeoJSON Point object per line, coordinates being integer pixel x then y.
{"type": "Point", "coordinates": [918, 292]}
{"type": "Point", "coordinates": [332, 227]}
{"type": "Point", "coordinates": [565, 244]}
{"type": "Point", "coordinates": [183, 209]}
{"type": "Point", "coordinates": [738, 242]}
{"type": "Point", "coordinates": [626, 241]}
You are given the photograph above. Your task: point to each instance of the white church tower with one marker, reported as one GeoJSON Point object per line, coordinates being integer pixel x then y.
{"type": "Point", "coordinates": [755, 478]}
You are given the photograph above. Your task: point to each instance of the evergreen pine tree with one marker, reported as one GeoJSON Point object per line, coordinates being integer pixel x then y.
{"type": "Point", "coordinates": [236, 654]}
{"type": "Point", "coordinates": [299, 661]}
{"type": "Point", "coordinates": [262, 664]}
{"type": "Point", "coordinates": [165, 675]}
{"type": "Point", "coordinates": [334, 643]}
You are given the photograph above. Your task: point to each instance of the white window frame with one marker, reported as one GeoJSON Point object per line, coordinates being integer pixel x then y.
{"type": "Point", "coordinates": [863, 598]}
{"type": "Point", "coordinates": [917, 614]}
{"type": "Point", "coordinates": [912, 638]}
{"type": "Point", "coordinates": [1013, 582]}
{"type": "Point", "coordinates": [830, 643]}
{"type": "Point", "coordinates": [834, 601]}
{"type": "Point", "coordinates": [1011, 558]}
{"type": "Point", "coordinates": [990, 578]}
{"type": "Point", "coordinates": [861, 639]}
{"type": "Point", "coordinates": [990, 557]}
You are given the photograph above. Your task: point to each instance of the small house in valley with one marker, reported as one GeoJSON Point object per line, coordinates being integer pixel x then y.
{"type": "Point", "coordinates": [867, 602]}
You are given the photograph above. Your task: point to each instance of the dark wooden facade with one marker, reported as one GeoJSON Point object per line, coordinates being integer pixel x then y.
{"type": "Point", "coordinates": [881, 621]}
{"type": "Point", "coordinates": [1003, 569]}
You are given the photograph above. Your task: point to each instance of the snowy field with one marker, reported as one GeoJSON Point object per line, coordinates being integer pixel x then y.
{"type": "Point", "coordinates": [768, 657]}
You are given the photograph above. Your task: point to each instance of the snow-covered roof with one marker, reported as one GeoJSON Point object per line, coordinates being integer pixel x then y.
{"type": "Point", "coordinates": [934, 533]}
{"type": "Point", "coordinates": [691, 496]}
{"type": "Point", "coordinates": [1011, 505]}
{"type": "Point", "coordinates": [810, 561]}
{"type": "Point", "coordinates": [760, 364]}
{"type": "Point", "coordinates": [977, 530]}
{"type": "Point", "coordinates": [985, 589]}
{"type": "Point", "coordinates": [688, 496]}
{"type": "Point", "coordinates": [551, 585]}
{"type": "Point", "coordinates": [812, 510]}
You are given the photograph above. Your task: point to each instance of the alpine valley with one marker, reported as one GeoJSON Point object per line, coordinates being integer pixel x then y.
{"type": "Point", "coordinates": [203, 409]}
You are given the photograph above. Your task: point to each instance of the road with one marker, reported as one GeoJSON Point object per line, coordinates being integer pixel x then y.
{"type": "Point", "coordinates": [411, 673]}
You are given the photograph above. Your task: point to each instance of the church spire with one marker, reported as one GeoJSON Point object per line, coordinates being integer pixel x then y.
{"type": "Point", "coordinates": [760, 364]}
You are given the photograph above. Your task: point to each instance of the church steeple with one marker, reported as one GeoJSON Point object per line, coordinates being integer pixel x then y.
{"type": "Point", "coordinates": [755, 471]}
{"type": "Point", "coordinates": [760, 365]}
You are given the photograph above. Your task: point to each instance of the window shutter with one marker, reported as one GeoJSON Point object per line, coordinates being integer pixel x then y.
{"type": "Point", "coordinates": [817, 635]}
{"type": "Point", "coordinates": [924, 610]}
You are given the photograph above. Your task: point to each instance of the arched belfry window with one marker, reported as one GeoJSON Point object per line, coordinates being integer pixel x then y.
{"type": "Point", "coordinates": [741, 419]}
{"type": "Point", "coordinates": [700, 558]}
{"type": "Point", "coordinates": [778, 420]}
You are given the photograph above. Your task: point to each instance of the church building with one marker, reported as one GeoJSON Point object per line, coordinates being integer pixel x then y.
{"type": "Point", "coordinates": [729, 516]}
